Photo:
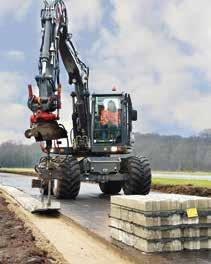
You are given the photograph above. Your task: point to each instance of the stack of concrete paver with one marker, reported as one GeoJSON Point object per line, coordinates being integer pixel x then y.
{"type": "Point", "coordinates": [160, 222]}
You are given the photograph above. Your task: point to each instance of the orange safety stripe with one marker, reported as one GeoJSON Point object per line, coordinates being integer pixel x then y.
{"type": "Point", "coordinates": [113, 117]}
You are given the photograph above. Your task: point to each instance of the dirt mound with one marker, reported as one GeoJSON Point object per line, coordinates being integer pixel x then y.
{"type": "Point", "coordinates": [17, 244]}
{"type": "Point", "coordinates": [182, 189]}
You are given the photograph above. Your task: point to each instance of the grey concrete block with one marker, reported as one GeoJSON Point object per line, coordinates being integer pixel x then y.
{"type": "Point", "coordinates": [196, 202]}
{"type": "Point", "coordinates": [205, 244]}
{"type": "Point", "coordinates": [159, 246]}
{"type": "Point", "coordinates": [144, 245]}
{"type": "Point", "coordinates": [197, 232]}
{"type": "Point", "coordinates": [190, 221]}
{"type": "Point", "coordinates": [205, 220]}
{"type": "Point", "coordinates": [144, 232]}
{"type": "Point", "coordinates": [196, 245]}
{"type": "Point", "coordinates": [156, 202]}
{"type": "Point", "coordinates": [132, 222]}
{"type": "Point", "coordinates": [192, 245]}
{"type": "Point", "coordinates": [158, 233]}
{"type": "Point", "coordinates": [140, 219]}
{"type": "Point", "coordinates": [149, 203]}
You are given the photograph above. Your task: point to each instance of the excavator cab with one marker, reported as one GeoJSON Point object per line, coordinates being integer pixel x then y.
{"type": "Point", "coordinates": [112, 117]}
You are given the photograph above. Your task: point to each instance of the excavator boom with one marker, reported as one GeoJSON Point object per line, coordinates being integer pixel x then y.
{"type": "Point", "coordinates": [56, 42]}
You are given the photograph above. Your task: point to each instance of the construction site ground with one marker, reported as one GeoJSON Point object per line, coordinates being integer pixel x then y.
{"type": "Point", "coordinates": [87, 221]}
{"type": "Point", "coordinates": [17, 242]}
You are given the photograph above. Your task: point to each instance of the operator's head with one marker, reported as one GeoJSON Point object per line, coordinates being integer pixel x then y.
{"type": "Point", "coordinates": [112, 106]}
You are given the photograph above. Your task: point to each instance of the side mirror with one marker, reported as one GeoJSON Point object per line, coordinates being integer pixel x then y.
{"type": "Point", "coordinates": [134, 115]}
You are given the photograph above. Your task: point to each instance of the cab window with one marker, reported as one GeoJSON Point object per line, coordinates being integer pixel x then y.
{"type": "Point", "coordinates": [107, 120]}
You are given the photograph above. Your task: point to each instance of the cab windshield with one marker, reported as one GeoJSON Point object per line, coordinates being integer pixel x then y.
{"type": "Point", "coordinates": [107, 120]}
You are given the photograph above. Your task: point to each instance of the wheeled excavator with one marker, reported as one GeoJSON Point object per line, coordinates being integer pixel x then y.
{"type": "Point", "coordinates": [99, 146]}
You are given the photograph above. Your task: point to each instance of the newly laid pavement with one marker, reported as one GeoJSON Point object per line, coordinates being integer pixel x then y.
{"type": "Point", "coordinates": [91, 210]}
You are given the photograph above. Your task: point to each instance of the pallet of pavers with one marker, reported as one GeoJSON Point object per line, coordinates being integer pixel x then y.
{"type": "Point", "coordinates": [161, 222]}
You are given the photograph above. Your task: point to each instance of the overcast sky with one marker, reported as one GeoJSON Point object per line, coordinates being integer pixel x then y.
{"type": "Point", "coordinates": [157, 50]}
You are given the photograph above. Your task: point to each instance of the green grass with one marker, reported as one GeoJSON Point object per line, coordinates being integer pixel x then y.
{"type": "Point", "coordinates": [192, 173]}
{"type": "Point", "coordinates": [21, 171]}
{"type": "Point", "coordinates": [17, 169]}
{"type": "Point", "coordinates": [198, 183]}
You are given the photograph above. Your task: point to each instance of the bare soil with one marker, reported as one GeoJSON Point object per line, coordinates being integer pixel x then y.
{"type": "Point", "coordinates": [17, 243]}
{"type": "Point", "coordinates": [183, 189]}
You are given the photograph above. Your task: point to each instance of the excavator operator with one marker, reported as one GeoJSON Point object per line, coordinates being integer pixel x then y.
{"type": "Point", "coordinates": [110, 120]}
{"type": "Point", "coordinates": [110, 117]}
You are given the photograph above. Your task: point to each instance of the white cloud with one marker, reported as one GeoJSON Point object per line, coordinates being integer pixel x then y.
{"type": "Point", "coordinates": [66, 112]}
{"type": "Point", "coordinates": [14, 113]}
{"type": "Point", "coordinates": [154, 52]}
{"type": "Point", "coordinates": [190, 23]}
{"type": "Point", "coordinates": [84, 15]}
{"type": "Point", "coordinates": [14, 8]}
{"type": "Point", "coordinates": [11, 87]}
{"type": "Point", "coordinates": [15, 55]}
{"type": "Point", "coordinates": [11, 135]}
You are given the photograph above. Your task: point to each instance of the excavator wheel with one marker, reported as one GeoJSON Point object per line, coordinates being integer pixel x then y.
{"type": "Point", "coordinates": [138, 181]}
{"type": "Point", "coordinates": [112, 187]}
{"type": "Point", "coordinates": [67, 186]}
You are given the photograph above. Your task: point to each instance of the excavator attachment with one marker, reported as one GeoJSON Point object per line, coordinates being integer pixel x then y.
{"type": "Point", "coordinates": [45, 131]}
{"type": "Point", "coordinates": [46, 204]}
{"type": "Point", "coordinates": [45, 183]}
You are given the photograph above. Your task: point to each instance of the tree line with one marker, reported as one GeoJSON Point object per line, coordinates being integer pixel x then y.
{"type": "Point", "coordinates": [175, 152]}
{"type": "Point", "coordinates": [13, 155]}
{"type": "Point", "coordinates": [164, 152]}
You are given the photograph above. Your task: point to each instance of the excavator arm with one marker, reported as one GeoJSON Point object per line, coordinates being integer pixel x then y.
{"type": "Point", "coordinates": [56, 43]}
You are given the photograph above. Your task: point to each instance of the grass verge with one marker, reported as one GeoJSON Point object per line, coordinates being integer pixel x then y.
{"type": "Point", "coordinates": [21, 171]}
{"type": "Point", "coordinates": [197, 183]}
{"type": "Point", "coordinates": [189, 173]}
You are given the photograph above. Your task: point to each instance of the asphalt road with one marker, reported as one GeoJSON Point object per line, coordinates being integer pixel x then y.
{"type": "Point", "coordinates": [91, 210]}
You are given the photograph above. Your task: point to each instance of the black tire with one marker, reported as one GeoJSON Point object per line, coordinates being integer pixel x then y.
{"type": "Point", "coordinates": [138, 180]}
{"type": "Point", "coordinates": [112, 187]}
{"type": "Point", "coordinates": [67, 185]}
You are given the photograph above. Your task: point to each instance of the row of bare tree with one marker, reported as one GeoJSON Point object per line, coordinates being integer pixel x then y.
{"type": "Point", "coordinates": [14, 155]}
{"type": "Point", "coordinates": [164, 152]}
{"type": "Point", "coordinates": [175, 152]}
